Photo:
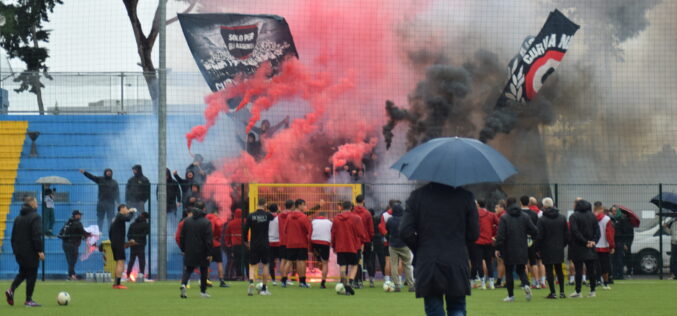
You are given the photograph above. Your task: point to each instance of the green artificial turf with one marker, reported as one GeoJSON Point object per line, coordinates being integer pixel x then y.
{"type": "Point", "coordinates": [636, 297]}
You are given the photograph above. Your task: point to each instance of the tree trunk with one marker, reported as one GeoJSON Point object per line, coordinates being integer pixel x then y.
{"type": "Point", "coordinates": [37, 86]}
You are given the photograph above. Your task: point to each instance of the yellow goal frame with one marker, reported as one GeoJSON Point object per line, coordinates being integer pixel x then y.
{"type": "Point", "coordinates": [356, 189]}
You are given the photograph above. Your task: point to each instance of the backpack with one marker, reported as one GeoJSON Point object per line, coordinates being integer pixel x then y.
{"type": "Point", "coordinates": [65, 230]}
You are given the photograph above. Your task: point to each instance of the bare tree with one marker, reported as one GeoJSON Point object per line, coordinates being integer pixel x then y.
{"type": "Point", "coordinates": [145, 43]}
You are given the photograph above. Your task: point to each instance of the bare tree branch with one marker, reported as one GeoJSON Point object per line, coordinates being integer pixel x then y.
{"type": "Point", "coordinates": [193, 3]}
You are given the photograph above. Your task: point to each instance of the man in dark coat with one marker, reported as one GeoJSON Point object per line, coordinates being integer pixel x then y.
{"type": "Point", "coordinates": [137, 191]}
{"type": "Point", "coordinates": [624, 234]}
{"type": "Point", "coordinates": [109, 195]}
{"type": "Point", "coordinates": [28, 250]}
{"type": "Point", "coordinates": [72, 235]}
{"type": "Point", "coordinates": [533, 256]}
{"type": "Point", "coordinates": [173, 199]}
{"type": "Point", "coordinates": [584, 232]}
{"type": "Point", "coordinates": [553, 236]}
{"type": "Point", "coordinates": [138, 231]}
{"type": "Point", "coordinates": [195, 241]}
{"type": "Point", "coordinates": [438, 224]}
{"type": "Point", "coordinates": [512, 246]}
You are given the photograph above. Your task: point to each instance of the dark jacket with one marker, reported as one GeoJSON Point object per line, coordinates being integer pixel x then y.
{"type": "Point", "coordinates": [393, 227]}
{"type": "Point", "coordinates": [138, 231]}
{"type": "Point", "coordinates": [73, 232]}
{"type": "Point", "coordinates": [118, 226]}
{"type": "Point", "coordinates": [109, 191]}
{"type": "Point", "coordinates": [138, 187]}
{"type": "Point", "coordinates": [511, 239]}
{"type": "Point", "coordinates": [553, 236]}
{"type": "Point", "coordinates": [173, 192]}
{"type": "Point", "coordinates": [196, 240]}
{"type": "Point", "coordinates": [533, 217]}
{"type": "Point", "coordinates": [583, 228]}
{"type": "Point", "coordinates": [623, 230]}
{"type": "Point", "coordinates": [185, 183]}
{"type": "Point", "coordinates": [439, 223]}
{"type": "Point", "coordinates": [27, 237]}
{"type": "Point", "coordinates": [199, 173]}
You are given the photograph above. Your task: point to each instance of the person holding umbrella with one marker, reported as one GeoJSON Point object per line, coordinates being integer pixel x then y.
{"type": "Point", "coordinates": [441, 217]}
{"type": "Point", "coordinates": [670, 227]}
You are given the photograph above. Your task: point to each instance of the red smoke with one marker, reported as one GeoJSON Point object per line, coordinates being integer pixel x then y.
{"type": "Point", "coordinates": [352, 59]}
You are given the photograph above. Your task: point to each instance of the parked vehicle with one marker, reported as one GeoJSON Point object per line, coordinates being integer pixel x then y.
{"type": "Point", "coordinates": [645, 250]}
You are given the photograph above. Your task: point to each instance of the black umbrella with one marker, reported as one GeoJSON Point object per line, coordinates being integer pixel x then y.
{"type": "Point", "coordinates": [669, 201]}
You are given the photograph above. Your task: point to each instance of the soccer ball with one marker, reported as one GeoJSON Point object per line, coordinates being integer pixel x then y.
{"type": "Point", "coordinates": [389, 286]}
{"type": "Point", "coordinates": [63, 298]}
{"type": "Point", "coordinates": [340, 289]}
{"type": "Point", "coordinates": [259, 286]}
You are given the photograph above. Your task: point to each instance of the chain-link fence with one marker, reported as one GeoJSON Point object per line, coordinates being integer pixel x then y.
{"type": "Point", "coordinates": [646, 253]}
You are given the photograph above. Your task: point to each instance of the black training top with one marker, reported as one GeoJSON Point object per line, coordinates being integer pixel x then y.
{"type": "Point", "coordinates": [116, 233]}
{"type": "Point", "coordinates": [258, 223]}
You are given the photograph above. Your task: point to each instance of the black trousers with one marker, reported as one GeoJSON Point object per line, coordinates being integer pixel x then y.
{"type": "Point", "coordinates": [71, 252]}
{"type": "Point", "coordinates": [551, 278]}
{"type": "Point", "coordinates": [140, 253]}
{"type": "Point", "coordinates": [590, 269]}
{"type": "Point", "coordinates": [603, 263]}
{"type": "Point", "coordinates": [204, 273]}
{"type": "Point", "coordinates": [510, 269]}
{"type": "Point", "coordinates": [379, 255]}
{"type": "Point", "coordinates": [479, 253]}
{"type": "Point", "coordinates": [30, 274]}
{"type": "Point", "coordinates": [368, 259]}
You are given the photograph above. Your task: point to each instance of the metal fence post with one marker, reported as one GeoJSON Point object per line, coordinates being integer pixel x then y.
{"type": "Point", "coordinates": [557, 195]}
{"type": "Point", "coordinates": [660, 231]}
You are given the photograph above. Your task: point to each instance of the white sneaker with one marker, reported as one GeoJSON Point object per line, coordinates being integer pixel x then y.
{"type": "Point", "coordinates": [509, 299]}
{"type": "Point", "coordinates": [606, 287]}
{"type": "Point", "coordinates": [205, 295]}
{"type": "Point", "coordinates": [575, 295]}
{"type": "Point", "coordinates": [183, 292]}
{"type": "Point", "coordinates": [527, 292]}
{"type": "Point", "coordinates": [250, 289]}
{"type": "Point", "coordinates": [265, 293]}
{"type": "Point", "coordinates": [484, 286]}
{"type": "Point", "coordinates": [290, 283]}
{"type": "Point", "coordinates": [274, 283]}
{"type": "Point", "coordinates": [592, 295]}
{"type": "Point", "coordinates": [491, 286]}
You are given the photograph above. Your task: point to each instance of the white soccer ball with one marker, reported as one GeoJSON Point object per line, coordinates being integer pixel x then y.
{"type": "Point", "coordinates": [259, 286]}
{"type": "Point", "coordinates": [389, 286]}
{"type": "Point", "coordinates": [340, 289]}
{"type": "Point", "coordinates": [63, 298]}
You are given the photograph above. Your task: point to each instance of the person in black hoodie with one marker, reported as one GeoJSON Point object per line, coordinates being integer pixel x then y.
{"type": "Point", "coordinates": [185, 183]}
{"type": "Point", "coordinates": [116, 233]}
{"type": "Point", "coordinates": [195, 241]}
{"type": "Point", "coordinates": [173, 199]}
{"type": "Point", "coordinates": [71, 235]}
{"type": "Point", "coordinates": [553, 236]}
{"type": "Point", "coordinates": [512, 246]}
{"type": "Point", "coordinates": [138, 232]}
{"type": "Point", "coordinates": [399, 251]}
{"type": "Point", "coordinates": [584, 233]}
{"type": "Point", "coordinates": [137, 191]}
{"type": "Point", "coordinates": [28, 250]}
{"type": "Point", "coordinates": [533, 256]}
{"type": "Point", "coordinates": [438, 224]}
{"type": "Point", "coordinates": [109, 195]}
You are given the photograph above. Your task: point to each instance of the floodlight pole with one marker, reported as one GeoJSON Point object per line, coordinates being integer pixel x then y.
{"type": "Point", "coordinates": [162, 148]}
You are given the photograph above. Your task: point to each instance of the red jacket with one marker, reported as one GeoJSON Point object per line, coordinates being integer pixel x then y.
{"type": "Point", "coordinates": [346, 233]}
{"type": "Point", "coordinates": [367, 222]}
{"type": "Point", "coordinates": [217, 229]}
{"type": "Point", "coordinates": [488, 227]}
{"type": "Point", "coordinates": [233, 234]}
{"type": "Point", "coordinates": [297, 230]}
{"type": "Point", "coordinates": [382, 224]}
{"type": "Point", "coordinates": [535, 209]}
{"type": "Point", "coordinates": [606, 241]}
{"type": "Point", "coordinates": [177, 236]}
{"type": "Point", "coordinates": [282, 225]}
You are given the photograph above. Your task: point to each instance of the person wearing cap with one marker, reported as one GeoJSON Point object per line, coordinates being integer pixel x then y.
{"type": "Point", "coordinates": [71, 236]}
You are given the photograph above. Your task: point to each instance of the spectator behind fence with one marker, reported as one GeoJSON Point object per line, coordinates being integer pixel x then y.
{"type": "Point", "coordinates": [109, 195]}
{"type": "Point", "coordinates": [48, 215]}
{"type": "Point", "coordinates": [137, 192]}
{"type": "Point", "coordinates": [438, 223]}
{"type": "Point", "coordinates": [72, 233]}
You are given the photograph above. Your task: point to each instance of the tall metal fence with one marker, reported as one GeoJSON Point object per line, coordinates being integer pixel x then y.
{"type": "Point", "coordinates": [650, 249]}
